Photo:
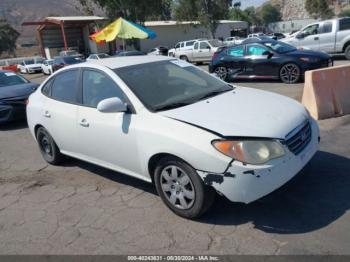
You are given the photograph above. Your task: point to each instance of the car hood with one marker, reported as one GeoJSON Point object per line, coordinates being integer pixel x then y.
{"type": "Point", "coordinates": [243, 112]}
{"type": "Point", "coordinates": [17, 91]}
{"type": "Point", "coordinates": [309, 53]}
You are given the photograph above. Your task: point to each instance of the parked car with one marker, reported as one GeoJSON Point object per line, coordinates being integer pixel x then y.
{"type": "Point", "coordinates": [256, 35]}
{"type": "Point", "coordinates": [31, 66]}
{"type": "Point", "coordinates": [159, 50]}
{"type": "Point", "coordinates": [233, 40]}
{"type": "Point", "coordinates": [331, 36]}
{"type": "Point", "coordinates": [14, 92]}
{"type": "Point", "coordinates": [129, 53]}
{"type": "Point", "coordinates": [47, 66]}
{"type": "Point", "coordinates": [183, 45]}
{"type": "Point", "coordinates": [277, 36]}
{"type": "Point", "coordinates": [267, 59]}
{"type": "Point", "coordinates": [166, 121]}
{"type": "Point", "coordinates": [202, 51]}
{"type": "Point", "coordinates": [60, 62]}
{"type": "Point", "coordinates": [97, 56]}
{"type": "Point", "coordinates": [72, 53]}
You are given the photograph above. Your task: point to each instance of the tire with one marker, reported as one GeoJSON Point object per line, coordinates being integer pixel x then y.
{"type": "Point", "coordinates": [173, 178]}
{"type": "Point", "coordinates": [347, 52]}
{"type": "Point", "coordinates": [48, 147]}
{"type": "Point", "coordinates": [221, 72]}
{"type": "Point", "coordinates": [290, 73]}
{"type": "Point", "coordinates": [183, 57]}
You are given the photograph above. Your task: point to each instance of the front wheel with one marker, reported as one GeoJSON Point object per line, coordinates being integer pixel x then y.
{"type": "Point", "coordinates": [183, 57]}
{"type": "Point", "coordinates": [181, 189]}
{"type": "Point", "coordinates": [290, 73]}
{"type": "Point", "coordinates": [48, 147]}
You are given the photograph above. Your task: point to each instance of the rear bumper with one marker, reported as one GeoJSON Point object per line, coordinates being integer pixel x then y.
{"type": "Point", "coordinates": [247, 183]}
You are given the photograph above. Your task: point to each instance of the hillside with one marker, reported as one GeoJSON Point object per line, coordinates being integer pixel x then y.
{"type": "Point", "coordinates": [18, 11]}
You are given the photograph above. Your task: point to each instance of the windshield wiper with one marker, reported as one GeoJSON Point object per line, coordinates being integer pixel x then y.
{"type": "Point", "coordinates": [173, 105]}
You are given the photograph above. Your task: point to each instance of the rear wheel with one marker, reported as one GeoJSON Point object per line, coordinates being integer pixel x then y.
{"type": "Point", "coordinates": [221, 72]}
{"type": "Point", "coordinates": [290, 73]}
{"type": "Point", "coordinates": [181, 189]}
{"type": "Point", "coordinates": [347, 52]}
{"type": "Point", "coordinates": [48, 147]}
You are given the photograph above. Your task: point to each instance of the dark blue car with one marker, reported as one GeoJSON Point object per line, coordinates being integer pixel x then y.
{"type": "Point", "coordinates": [14, 92]}
{"type": "Point", "coordinates": [266, 59]}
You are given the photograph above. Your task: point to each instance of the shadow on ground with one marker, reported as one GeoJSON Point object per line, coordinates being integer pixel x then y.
{"type": "Point", "coordinates": [315, 198]}
{"type": "Point", "coordinates": [9, 126]}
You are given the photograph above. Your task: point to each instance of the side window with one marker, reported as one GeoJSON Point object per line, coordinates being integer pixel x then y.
{"type": "Point", "coordinates": [344, 24]}
{"type": "Point", "coordinates": [177, 45]}
{"type": "Point", "coordinates": [46, 89]}
{"type": "Point", "coordinates": [182, 44]}
{"type": "Point", "coordinates": [326, 28]}
{"type": "Point", "coordinates": [64, 87]}
{"type": "Point", "coordinates": [311, 30]}
{"type": "Point", "coordinates": [255, 49]}
{"type": "Point", "coordinates": [97, 86]}
{"type": "Point", "coordinates": [237, 51]}
{"type": "Point", "coordinates": [204, 45]}
{"type": "Point", "coordinates": [196, 45]}
{"type": "Point", "coordinates": [189, 43]}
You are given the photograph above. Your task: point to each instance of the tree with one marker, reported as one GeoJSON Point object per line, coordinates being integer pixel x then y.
{"type": "Point", "coordinates": [253, 15]}
{"type": "Point", "coordinates": [318, 9]}
{"type": "Point", "coordinates": [8, 38]}
{"type": "Point", "coordinates": [133, 10]}
{"type": "Point", "coordinates": [344, 13]}
{"type": "Point", "coordinates": [207, 12]}
{"type": "Point", "coordinates": [270, 13]}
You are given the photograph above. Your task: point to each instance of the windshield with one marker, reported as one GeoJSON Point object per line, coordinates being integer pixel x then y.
{"type": "Point", "coordinates": [169, 84]}
{"type": "Point", "coordinates": [215, 43]}
{"type": "Point", "coordinates": [70, 60]}
{"type": "Point", "coordinates": [29, 62]}
{"type": "Point", "coordinates": [280, 47]}
{"type": "Point", "coordinates": [69, 53]}
{"type": "Point", "coordinates": [10, 79]}
{"type": "Point", "coordinates": [39, 60]}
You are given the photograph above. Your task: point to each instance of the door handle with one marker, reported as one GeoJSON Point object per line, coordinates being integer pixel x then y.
{"type": "Point", "coordinates": [84, 123]}
{"type": "Point", "coordinates": [47, 114]}
{"type": "Point", "coordinates": [316, 38]}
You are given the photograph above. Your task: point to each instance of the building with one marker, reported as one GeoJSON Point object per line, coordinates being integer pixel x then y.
{"type": "Point", "coordinates": [171, 32]}
{"type": "Point", "coordinates": [55, 34]}
{"type": "Point", "coordinates": [290, 25]}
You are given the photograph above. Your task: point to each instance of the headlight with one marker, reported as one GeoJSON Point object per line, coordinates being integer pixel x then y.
{"type": "Point", "coordinates": [250, 151]}
{"type": "Point", "coordinates": [309, 59]}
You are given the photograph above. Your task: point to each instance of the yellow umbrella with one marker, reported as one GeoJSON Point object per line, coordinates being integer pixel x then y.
{"type": "Point", "coordinates": [124, 29]}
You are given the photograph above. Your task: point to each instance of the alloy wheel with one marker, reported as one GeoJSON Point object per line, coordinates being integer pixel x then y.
{"type": "Point", "coordinates": [221, 72]}
{"type": "Point", "coordinates": [177, 187]}
{"type": "Point", "coordinates": [46, 145]}
{"type": "Point", "coordinates": [290, 73]}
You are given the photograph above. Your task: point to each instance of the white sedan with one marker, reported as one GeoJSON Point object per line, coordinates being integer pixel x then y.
{"type": "Point", "coordinates": [168, 122]}
{"type": "Point", "coordinates": [47, 66]}
{"type": "Point", "coordinates": [31, 66]}
{"type": "Point", "coordinates": [97, 56]}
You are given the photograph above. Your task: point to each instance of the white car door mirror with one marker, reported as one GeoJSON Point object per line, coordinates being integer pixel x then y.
{"type": "Point", "coordinates": [112, 105]}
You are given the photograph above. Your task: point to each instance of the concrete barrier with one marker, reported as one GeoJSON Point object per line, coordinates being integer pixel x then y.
{"type": "Point", "coordinates": [327, 92]}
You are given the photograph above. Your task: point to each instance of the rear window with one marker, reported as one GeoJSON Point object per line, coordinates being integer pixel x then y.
{"type": "Point", "coordinates": [344, 24]}
{"type": "Point", "coordinates": [11, 79]}
{"type": "Point", "coordinates": [326, 28]}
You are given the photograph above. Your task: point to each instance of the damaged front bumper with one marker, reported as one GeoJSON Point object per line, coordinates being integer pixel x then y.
{"type": "Point", "coordinates": [246, 183]}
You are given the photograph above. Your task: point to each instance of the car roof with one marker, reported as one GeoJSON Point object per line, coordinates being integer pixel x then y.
{"type": "Point", "coordinates": [124, 61]}
{"type": "Point", "coordinates": [6, 71]}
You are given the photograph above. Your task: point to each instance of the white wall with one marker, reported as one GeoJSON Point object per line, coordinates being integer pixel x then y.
{"type": "Point", "coordinates": [169, 35]}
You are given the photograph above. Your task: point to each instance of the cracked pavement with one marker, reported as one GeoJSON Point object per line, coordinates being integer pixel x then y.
{"type": "Point", "coordinates": [80, 208]}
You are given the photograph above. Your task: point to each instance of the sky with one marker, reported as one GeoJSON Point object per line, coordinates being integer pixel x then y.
{"type": "Point", "coordinates": [246, 3]}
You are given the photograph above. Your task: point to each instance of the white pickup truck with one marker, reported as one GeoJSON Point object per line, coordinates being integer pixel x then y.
{"type": "Point", "coordinates": [202, 51]}
{"type": "Point", "coordinates": [331, 36]}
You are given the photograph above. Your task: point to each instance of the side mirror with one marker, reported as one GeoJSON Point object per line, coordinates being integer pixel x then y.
{"type": "Point", "coordinates": [300, 35]}
{"type": "Point", "coordinates": [268, 54]}
{"type": "Point", "coordinates": [208, 47]}
{"type": "Point", "coordinates": [112, 105]}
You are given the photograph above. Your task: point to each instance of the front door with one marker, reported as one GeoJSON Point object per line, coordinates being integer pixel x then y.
{"type": "Point", "coordinates": [311, 38]}
{"type": "Point", "coordinates": [107, 139]}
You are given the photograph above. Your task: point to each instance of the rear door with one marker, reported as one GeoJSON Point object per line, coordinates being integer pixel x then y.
{"type": "Point", "coordinates": [60, 110]}
{"type": "Point", "coordinates": [234, 61]}
{"type": "Point", "coordinates": [327, 37]}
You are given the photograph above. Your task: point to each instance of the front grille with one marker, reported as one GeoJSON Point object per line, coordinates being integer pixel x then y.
{"type": "Point", "coordinates": [299, 138]}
